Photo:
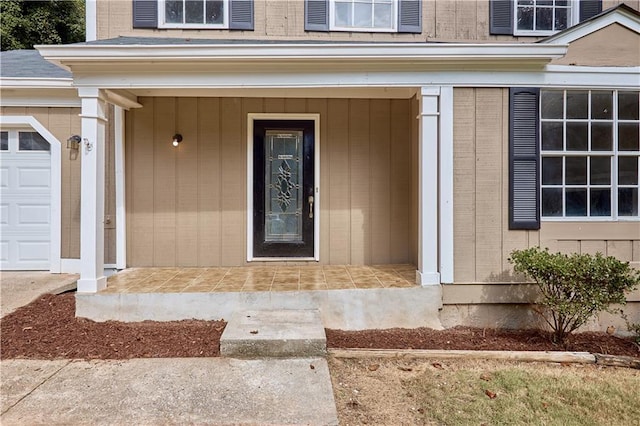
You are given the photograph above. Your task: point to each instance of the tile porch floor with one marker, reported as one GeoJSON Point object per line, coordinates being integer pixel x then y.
{"type": "Point", "coordinates": [260, 278]}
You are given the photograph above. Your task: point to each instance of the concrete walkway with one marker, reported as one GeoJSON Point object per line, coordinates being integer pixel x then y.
{"type": "Point", "coordinates": [23, 287]}
{"type": "Point", "coordinates": [203, 391]}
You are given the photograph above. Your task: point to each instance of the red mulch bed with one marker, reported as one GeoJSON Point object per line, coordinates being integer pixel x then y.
{"type": "Point", "coordinates": [48, 329]}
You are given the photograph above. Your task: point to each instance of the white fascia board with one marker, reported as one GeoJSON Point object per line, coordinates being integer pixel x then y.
{"type": "Point", "coordinates": [68, 55]}
{"type": "Point", "coordinates": [621, 17]}
{"type": "Point", "coordinates": [36, 83]}
{"type": "Point", "coordinates": [551, 76]}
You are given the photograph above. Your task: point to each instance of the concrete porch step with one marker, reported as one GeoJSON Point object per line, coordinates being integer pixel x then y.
{"type": "Point", "coordinates": [274, 333]}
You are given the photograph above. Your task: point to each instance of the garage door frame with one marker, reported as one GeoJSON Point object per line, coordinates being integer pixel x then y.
{"type": "Point", "coordinates": [14, 121]}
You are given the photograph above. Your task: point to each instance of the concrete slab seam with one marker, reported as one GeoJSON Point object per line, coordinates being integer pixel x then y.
{"type": "Point", "coordinates": [46, 379]}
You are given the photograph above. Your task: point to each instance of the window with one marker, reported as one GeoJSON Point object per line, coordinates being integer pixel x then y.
{"type": "Point", "coordinates": [538, 17]}
{"type": "Point", "coordinates": [590, 153]}
{"type": "Point", "coordinates": [401, 16]}
{"type": "Point", "coordinates": [543, 16]}
{"type": "Point", "coordinates": [4, 141]}
{"type": "Point", "coordinates": [365, 15]}
{"type": "Point", "coordinates": [193, 14]}
{"type": "Point", "coordinates": [22, 140]}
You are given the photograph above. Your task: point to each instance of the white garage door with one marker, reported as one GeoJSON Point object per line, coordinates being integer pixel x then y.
{"type": "Point", "coordinates": [25, 198]}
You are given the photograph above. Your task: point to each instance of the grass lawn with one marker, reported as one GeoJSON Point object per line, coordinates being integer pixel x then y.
{"type": "Point", "coordinates": [403, 392]}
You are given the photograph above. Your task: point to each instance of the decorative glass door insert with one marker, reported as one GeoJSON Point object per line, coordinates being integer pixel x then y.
{"type": "Point", "coordinates": [283, 180]}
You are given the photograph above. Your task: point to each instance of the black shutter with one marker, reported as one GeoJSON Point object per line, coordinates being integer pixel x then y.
{"type": "Point", "coordinates": [241, 15]}
{"type": "Point", "coordinates": [501, 17]}
{"type": "Point", "coordinates": [316, 15]}
{"type": "Point", "coordinates": [524, 181]}
{"type": "Point", "coordinates": [589, 9]}
{"type": "Point", "coordinates": [410, 16]}
{"type": "Point", "coordinates": [145, 13]}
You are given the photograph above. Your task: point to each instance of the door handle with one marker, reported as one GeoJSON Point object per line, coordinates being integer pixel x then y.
{"type": "Point", "coordinates": [310, 199]}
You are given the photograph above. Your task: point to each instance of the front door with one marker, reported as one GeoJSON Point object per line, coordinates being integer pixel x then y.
{"type": "Point", "coordinates": [283, 188]}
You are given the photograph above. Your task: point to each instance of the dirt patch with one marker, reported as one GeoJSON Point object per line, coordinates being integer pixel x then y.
{"type": "Point", "coordinates": [48, 329]}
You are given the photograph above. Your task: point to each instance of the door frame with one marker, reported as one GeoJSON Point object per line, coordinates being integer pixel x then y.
{"type": "Point", "coordinates": [251, 118]}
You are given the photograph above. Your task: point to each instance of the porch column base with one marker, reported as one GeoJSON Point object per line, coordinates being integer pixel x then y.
{"type": "Point", "coordinates": [88, 285]}
{"type": "Point", "coordinates": [427, 278]}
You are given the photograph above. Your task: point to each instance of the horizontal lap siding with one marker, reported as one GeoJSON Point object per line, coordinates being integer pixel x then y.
{"type": "Point", "coordinates": [482, 240]}
{"type": "Point", "coordinates": [187, 206]}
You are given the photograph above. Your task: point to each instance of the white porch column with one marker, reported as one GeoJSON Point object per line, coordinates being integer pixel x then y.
{"type": "Point", "coordinates": [427, 273]}
{"type": "Point", "coordinates": [92, 191]}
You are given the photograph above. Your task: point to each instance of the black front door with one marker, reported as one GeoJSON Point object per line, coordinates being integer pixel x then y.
{"type": "Point", "coordinates": [283, 188]}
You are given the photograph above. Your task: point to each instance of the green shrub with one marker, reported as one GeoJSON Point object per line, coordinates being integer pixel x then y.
{"type": "Point", "coordinates": [575, 287]}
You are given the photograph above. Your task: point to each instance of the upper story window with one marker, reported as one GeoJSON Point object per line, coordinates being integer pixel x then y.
{"type": "Point", "coordinates": [590, 154]}
{"type": "Point", "coordinates": [540, 17]}
{"type": "Point", "coordinates": [363, 15]}
{"type": "Point", "coordinates": [193, 14]}
{"type": "Point", "coordinates": [401, 16]}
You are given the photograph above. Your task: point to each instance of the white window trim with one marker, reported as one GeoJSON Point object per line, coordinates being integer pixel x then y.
{"type": "Point", "coordinates": [251, 118]}
{"type": "Point", "coordinates": [163, 24]}
{"type": "Point", "coordinates": [572, 19]}
{"type": "Point", "coordinates": [614, 154]}
{"type": "Point", "coordinates": [394, 21]}
{"type": "Point", "coordinates": [25, 122]}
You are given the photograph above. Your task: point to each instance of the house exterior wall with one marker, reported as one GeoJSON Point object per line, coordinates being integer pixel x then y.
{"type": "Point", "coordinates": [187, 206]}
{"type": "Point", "coordinates": [595, 50]}
{"type": "Point", "coordinates": [62, 123]}
{"type": "Point", "coordinates": [482, 239]}
{"type": "Point", "coordinates": [442, 20]}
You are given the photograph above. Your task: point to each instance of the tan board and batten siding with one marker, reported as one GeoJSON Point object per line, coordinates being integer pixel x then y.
{"type": "Point", "coordinates": [62, 123]}
{"type": "Point", "coordinates": [187, 206]}
{"type": "Point", "coordinates": [482, 239]}
{"type": "Point", "coordinates": [442, 20]}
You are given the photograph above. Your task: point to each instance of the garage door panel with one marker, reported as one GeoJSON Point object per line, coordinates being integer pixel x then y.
{"type": "Point", "coordinates": [33, 178]}
{"type": "Point", "coordinates": [4, 252]}
{"type": "Point", "coordinates": [4, 214]}
{"type": "Point", "coordinates": [4, 177]}
{"type": "Point", "coordinates": [32, 251]}
{"type": "Point", "coordinates": [33, 214]}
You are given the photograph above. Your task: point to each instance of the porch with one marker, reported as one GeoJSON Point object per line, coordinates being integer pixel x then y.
{"type": "Point", "coordinates": [347, 297]}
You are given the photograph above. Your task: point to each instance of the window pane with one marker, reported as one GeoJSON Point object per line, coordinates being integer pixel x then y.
{"type": "Point", "coordinates": [194, 11]}
{"type": "Point", "coordinates": [602, 136]}
{"type": "Point", "coordinates": [577, 136]}
{"type": "Point", "coordinates": [525, 18]}
{"type": "Point", "coordinates": [551, 202]}
{"type": "Point", "coordinates": [32, 141]}
{"type": "Point", "coordinates": [173, 12]}
{"type": "Point", "coordinates": [576, 171]}
{"type": "Point", "coordinates": [577, 104]}
{"type": "Point", "coordinates": [628, 201]}
{"type": "Point", "coordinates": [343, 14]}
{"type": "Point", "coordinates": [544, 19]}
{"type": "Point", "coordinates": [627, 170]}
{"type": "Point", "coordinates": [382, 16]}
{"type": "Point", "coordinates": [576, 202]}
{"type": "Point", "coordinates": [600, 202]}
{"type": "Point", "coordinates": [362, 15]}
{"type": "Point", "coordinates": [4, 141]}
{"type": "Point", "coordinates": [600, 171]}
{"type": "Point", "coordinates": [628, 106]}
{"type": "Point", "coordinates": [552, 136]}
{"type": "Point", "coordinates": [552, 170]}
{"type": "Point", "coordinates": [561, 19]}
{"type": "Point", "coordinates": [551, 104]}
{"type": "Point", "coordinates": [215, 12]}
{"type": "Point", "coordinates": [628, 136]}
{"type": "Point", "coordinates": [602, 105]}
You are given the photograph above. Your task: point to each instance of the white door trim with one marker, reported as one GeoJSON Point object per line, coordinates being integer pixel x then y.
{"type": "Point", "coordinates": [251, 117]}
{"type": "Point", "coordinates": [56, 182]}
